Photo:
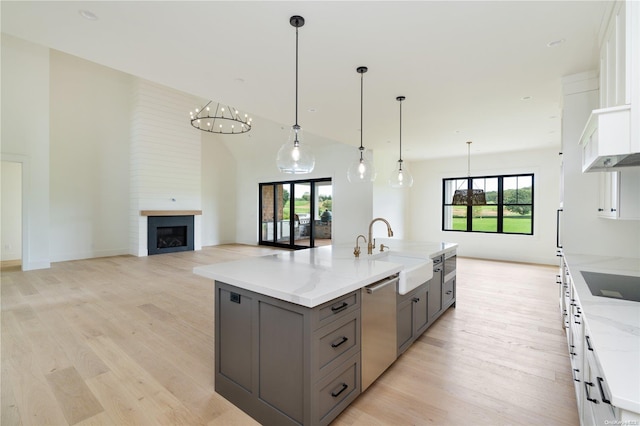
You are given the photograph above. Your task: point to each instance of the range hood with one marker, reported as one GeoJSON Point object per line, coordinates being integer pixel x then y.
{"type": "Point", "coordinates": [606, 140]}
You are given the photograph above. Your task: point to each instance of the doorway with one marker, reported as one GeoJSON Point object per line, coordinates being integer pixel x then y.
{"type": "Point", "coordinates": [11, 193]}
{"type": "Point", "coordinates": [296, 214]}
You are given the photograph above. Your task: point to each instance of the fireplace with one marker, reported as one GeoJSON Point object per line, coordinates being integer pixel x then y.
{"type": "Point", "coordinates": [168, 234]}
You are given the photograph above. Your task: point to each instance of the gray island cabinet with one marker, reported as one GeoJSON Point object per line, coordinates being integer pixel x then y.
{"type": "Point", "coordinates": [292, 330]}
{"type": "Point", "coordinates": [283, 363]}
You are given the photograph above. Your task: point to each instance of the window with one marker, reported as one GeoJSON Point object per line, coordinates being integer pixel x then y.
{"type": "Point", "coordinates": [508, 208]}
{"type": "Point", "coordinates": [295, 214]}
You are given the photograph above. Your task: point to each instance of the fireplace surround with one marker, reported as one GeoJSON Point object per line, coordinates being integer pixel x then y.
{"type": "Point", "coordinates": [169, 234]}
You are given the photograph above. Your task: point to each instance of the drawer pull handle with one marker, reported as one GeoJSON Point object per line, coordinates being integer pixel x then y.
{"type": "Point", "coordinates": [415, 299]}
{"type": "Point", "coordinates": [575, 379]}
{"type": "Point", "coordinates": [586, 389]}
{"type": "Point", "coordinates": [343, 387]}
{"type": "Point", "coordinates": [336, 309]}
{"type": "Point", "coordinates": [448, 292]}
{"type": "Point", "coordinates": [604, 399]}
{"type": "Point", "coordinates": [342, 340]}
{"type": "Point", "coordinates": [588, 343]}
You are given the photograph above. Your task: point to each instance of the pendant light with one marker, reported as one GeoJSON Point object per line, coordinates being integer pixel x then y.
{"type": "Point", "coordinates": [292, 157]}
{"type": "Point", "coordinates": [400, 178]}
{"type": "Point", "coordinates": [469, 197]}
{"type": "Point", "coordinates": [361, 170]}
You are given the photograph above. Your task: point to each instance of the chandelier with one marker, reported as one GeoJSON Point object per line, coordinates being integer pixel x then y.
{"type": "Point", "coordinates": [220, 119]}
{"type": "Point", "coordinates": [469, 197]}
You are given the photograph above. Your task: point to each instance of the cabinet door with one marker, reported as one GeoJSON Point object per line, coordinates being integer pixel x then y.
{"type": "Point", "coordinates": [435, 293]}
{"type": "Point", "coordinates": [234, 337]}
{"type": "Point", "coordinates": [420, 310]}
{"type": "Point", "coordinates": [281, 359]}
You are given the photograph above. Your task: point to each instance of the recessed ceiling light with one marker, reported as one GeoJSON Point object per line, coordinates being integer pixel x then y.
{"type": "Point", "coordinates": [526, 98]}
{"type": "Point", "coordinates": [88, 15]}
{"type": "Point", "coordinates": [555, 43]}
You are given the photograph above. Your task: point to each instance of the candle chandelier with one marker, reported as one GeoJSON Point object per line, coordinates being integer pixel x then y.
{"type": "Point", "coordinates": [218, 118]}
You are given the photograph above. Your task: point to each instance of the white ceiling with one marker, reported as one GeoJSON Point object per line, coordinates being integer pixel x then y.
{"type": "Point", "coordinates": [464, 66]}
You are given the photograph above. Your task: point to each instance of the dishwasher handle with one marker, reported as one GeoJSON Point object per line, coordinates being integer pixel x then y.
{"type": "Point", "coordinates": [379, 285]}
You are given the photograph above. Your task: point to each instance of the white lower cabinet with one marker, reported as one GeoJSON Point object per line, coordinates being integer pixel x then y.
{"type": "Point", "coordinates": [593, 395]}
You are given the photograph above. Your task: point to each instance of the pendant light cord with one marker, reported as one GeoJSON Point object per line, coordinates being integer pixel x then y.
{"type": "Point", "coordinates": [296, 125]}
{"type": "Point", "coordinates": [361, 113]}
{"type": "Point", "coordinates": [401, 131]}
{"type": "Point", "coordinates": [468, 158]}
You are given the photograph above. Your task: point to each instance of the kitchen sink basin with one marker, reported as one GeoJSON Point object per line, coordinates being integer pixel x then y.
{"type": "Point", "coordinates": [415, 271]}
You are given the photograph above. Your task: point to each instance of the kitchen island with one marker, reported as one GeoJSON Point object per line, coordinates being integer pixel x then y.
{"type": "Point", "coordinates": [288, 329]}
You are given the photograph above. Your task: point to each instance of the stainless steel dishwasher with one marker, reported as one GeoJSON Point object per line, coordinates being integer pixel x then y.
{"type": "Point", "coordinates": [379, 330]}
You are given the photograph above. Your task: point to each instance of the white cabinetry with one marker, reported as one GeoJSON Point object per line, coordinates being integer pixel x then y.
{"type": "Point", "coordinates": [619, 194]}
{"type": "Point", "coordinates": [594, 396]}
{"type": "Point", "coordinates": [612, 132]}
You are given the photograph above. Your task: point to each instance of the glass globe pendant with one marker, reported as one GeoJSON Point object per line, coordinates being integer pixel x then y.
{"type": "Point", "coordinates": [361, 170]}
{"type": "Point", "coordinates": [400, 178]}
{"type": "Point", "coordinates": [294, 158]}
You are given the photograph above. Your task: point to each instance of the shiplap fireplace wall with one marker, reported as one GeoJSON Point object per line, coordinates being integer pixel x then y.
{"type": "Point", "coordinates": [165, 169]}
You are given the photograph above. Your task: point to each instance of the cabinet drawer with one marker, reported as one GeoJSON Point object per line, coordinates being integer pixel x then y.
{"type": "Point", "coordinates": [341, 337]}
{"type": "Point", "coordinates": [448, 291]}
{"type": "Point", "coordinates": [334, 309]}
{"type": "Point", "coordinates": [336, 391]}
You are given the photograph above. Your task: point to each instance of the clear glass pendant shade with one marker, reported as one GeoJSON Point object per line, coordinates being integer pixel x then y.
{"type": "Point", "coordinates": [361, 170]}
{"type": "Point", "coordinates": [401, 177]}
{"type": "Point", "coordinates": [294, 158]}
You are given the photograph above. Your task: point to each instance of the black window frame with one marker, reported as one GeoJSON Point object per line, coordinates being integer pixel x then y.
{"type": "Point", "coordinates": [291, 188]}
{"type": "Point", "coordinates": [500, 204]}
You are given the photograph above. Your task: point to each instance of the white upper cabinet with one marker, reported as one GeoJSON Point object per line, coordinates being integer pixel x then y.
{"type": "Point", "coordinates": [611, 137]}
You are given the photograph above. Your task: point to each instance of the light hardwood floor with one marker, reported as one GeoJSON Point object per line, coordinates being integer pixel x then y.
{"type": "Point", "coordinates": [128, 340]}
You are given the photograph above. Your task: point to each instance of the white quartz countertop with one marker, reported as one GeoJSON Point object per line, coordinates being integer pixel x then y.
{"type": "Point", "coordinates": [614, 327]}
{"type": "Point", "coordinates": [313, 276]}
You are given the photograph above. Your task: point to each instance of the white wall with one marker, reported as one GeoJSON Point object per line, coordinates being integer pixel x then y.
{"type": "Point", "coordinates": [426, 205]}
{"type": "Point", "coordinates": [11, 229]}
{"type": "Point", "coordinates": [25, 138]}
{"type": "Point", "coordinates": [256, 162]}
{"type": "Point", "coordinates": [219, 196]}
{"type": "Point", "coordinates": [165, 158]}
{"type": "Point", "coordinates": [390, 203]}
{"type": "Point", "coordinates": [90, 110]}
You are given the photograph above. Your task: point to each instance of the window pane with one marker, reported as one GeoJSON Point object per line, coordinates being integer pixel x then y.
{"type": "Point", "coordinates": [455, 218]}
{"type": "Point", "coordinates": [267, 212]}
{"type": "Point", "coordinates": [490, 187]}
{"type": "Point", "coordinates": [516, 223]}
{"type": "Point", "coordinates": [282, 214]}
{"type": "Point", "coordinates": [450, 186]}
{"type": "Point", "coordinates": [324, 208]}
{"type": "Point", "coordinates": [302, 218]}
{"type": "Point", "coordinates": [485, 218]}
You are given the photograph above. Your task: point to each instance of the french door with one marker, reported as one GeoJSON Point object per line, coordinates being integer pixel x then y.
{"type": "Point", "coordinates": [295, 214]}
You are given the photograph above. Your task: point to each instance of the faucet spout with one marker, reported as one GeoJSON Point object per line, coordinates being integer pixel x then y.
{"type": "Point", "coordinates": [356, 249]}
{"type": "Point", "coordinates": [371, 242]}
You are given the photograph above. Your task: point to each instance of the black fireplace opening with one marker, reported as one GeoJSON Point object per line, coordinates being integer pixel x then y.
{"type": "Point", "coordinates": [168, 234]}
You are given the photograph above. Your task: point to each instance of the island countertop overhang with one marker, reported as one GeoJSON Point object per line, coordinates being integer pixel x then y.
{"type": "Point", "coordinates": [310, 277]}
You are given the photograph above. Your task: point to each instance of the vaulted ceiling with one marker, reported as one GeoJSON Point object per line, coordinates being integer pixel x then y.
{"type": "Point", "coordinates": [470, 70]}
